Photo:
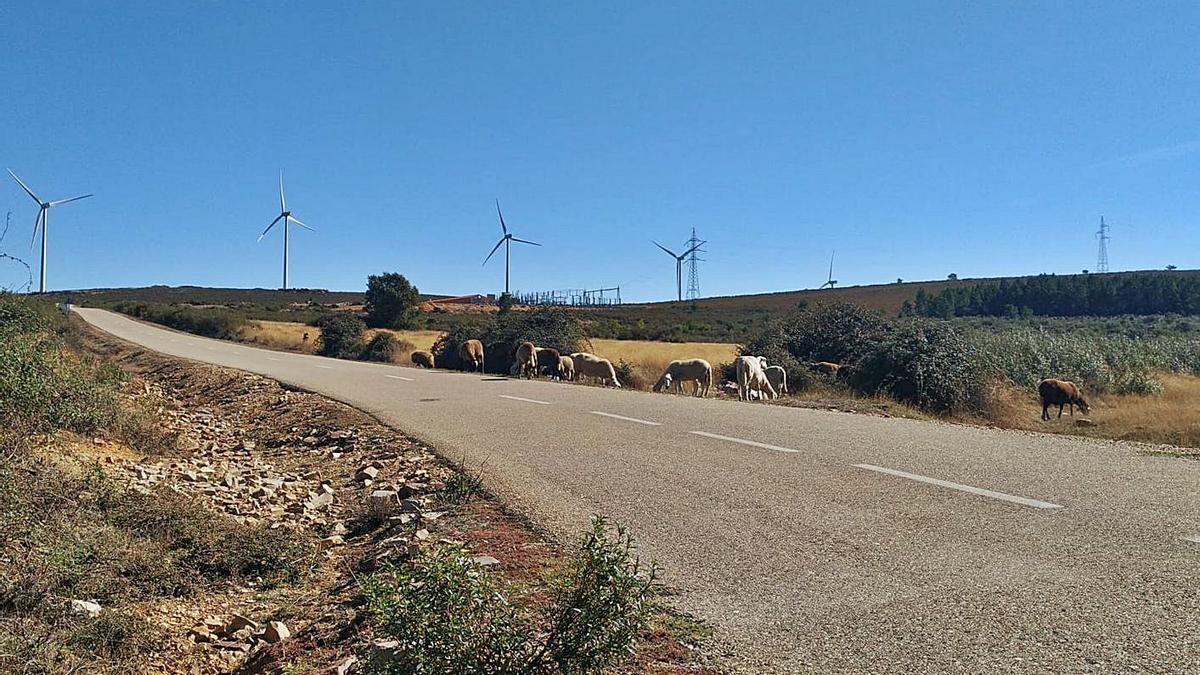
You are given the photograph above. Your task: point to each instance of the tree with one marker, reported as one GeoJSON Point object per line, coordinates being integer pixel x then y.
{"type": "Point", "coordinates": [391, 301]}
{"type": "Point", "coordinates": [341, 335]}
{"type": "Point", "coordinates": [505, 303]}
{"type": "Point", "coordinates": [952, 277]}
{"type": "Point", "coordinates": [1171, 268]}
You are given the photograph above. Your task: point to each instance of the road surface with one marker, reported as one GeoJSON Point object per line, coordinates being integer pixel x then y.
{"type": "Point", "coordinates": [817, 541]}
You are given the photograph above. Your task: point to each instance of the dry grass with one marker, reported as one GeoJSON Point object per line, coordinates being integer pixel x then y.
{"type": "Point", "coordinates": [649, 358]}
{"type": "Point", "coordinates": [1169, 417]}
{"type": "Point", "coordinates": [289, 336]}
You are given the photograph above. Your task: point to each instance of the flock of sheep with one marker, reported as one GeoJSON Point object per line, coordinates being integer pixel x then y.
{"type": "Point", "coordinates": [756, 379]}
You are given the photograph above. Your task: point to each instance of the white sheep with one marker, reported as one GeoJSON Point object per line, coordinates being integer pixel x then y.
{"type": "Point", "coordinates": [686, 370]}
{"type": "Point", "coordinates": [750, 377]}
{"type": "Point", "coordinates": [566, 368]}
{"type": "Point", "coordinates": [590, 365]}
{"type": "Point", "coordinates": [526, 360]}
{"type": "Point", "coordinates": [777, 376]}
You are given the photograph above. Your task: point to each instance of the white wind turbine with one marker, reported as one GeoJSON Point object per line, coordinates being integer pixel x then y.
{"type": "Point", "coordinates": [287, 218]}
{"type": "Point", "coordinates": [506, 240]}
{"type": "Point", "coordinates": [679, 265]}
{"type": "Point", "coordinates": [40, 221]}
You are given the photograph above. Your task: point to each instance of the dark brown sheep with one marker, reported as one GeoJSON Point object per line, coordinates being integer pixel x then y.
{"type": "Point", "coordinates": [548, 361]}
{"type": "Point", "coordinates": [422, 359]}
{"type": "Point", "coordinates": [471, 354]}
{"type": "Point", "coordinates": [1060, 393]}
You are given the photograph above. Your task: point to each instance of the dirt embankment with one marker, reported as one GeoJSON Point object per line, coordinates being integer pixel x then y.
{"type": "Point", "coordinates": [365, 494]}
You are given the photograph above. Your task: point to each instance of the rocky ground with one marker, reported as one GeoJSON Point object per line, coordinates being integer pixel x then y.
{"type": "Point", "coordinates": [250, 448]}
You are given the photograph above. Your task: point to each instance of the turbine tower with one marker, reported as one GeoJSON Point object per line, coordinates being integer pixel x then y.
{"type": "Point", "coordinates": [693, 289]}
{"type": "Point", "coordinates": [287, 218]}
{"type": "Point", "coordinates": [507, 240]}
{"type": "Point", "coordinates": [1102, 257]}
{"type": "Point", "coordinates": [831, 282]}
{"type": "Point", "coordinates": [40, 221]}
{"type": "Point", "coordinates": [679, 265]}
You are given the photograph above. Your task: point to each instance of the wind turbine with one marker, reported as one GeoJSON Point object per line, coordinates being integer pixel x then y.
{"type": "Point", "coordinates": [679, 265]}
{"type": "Point", "coordinates": [832, 282]}
{"type": "Point", "coordinates": [43, 207]}
{"type": "Point", "coordinates": [287, 217]}
{"type": "Point", "coordinates": [507, 240]}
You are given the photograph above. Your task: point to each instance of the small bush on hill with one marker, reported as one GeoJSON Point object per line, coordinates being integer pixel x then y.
{"type": "Point", "coordinates": [341, 335]}
{"type": "Point", "coordinates": [391, 301]}
{"type": "Point", "coordinates": [449, 615]}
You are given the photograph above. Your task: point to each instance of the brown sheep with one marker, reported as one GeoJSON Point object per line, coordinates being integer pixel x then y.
{"type": "Point", "coordinates": [526, 360]}
{"type": "Point", "coordinates": [550, 361]}
{"type": "Point", "coordinates": [422, 359]}
{"type": "Point", "coordinates": [471, 352]}
{"type": "Point", "coordinates": [825, 368]}
{"type": "Point", "coordinates": [1060, 393]}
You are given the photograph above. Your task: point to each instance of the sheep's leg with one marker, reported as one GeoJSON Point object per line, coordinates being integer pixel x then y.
{"type": "Point", "coordinates": [1060, 409]}
{"type": "Point", "coordinates": [1046, 411]}
{"type": "Point", "coordinates": [1072, 409]}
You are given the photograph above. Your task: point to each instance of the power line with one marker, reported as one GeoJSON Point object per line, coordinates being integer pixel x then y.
{"type": "Point", "coordinates": [693, 291]}
{"type": "Point", "coordinates": [1102, 257]}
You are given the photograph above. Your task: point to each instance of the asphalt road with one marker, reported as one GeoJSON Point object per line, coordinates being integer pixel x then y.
{"type": "Point", "coordinates": [818, 541]}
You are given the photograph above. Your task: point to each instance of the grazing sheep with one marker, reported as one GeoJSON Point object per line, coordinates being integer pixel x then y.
{"type": "Point", "coordinates": [750, 377]}
{"type": "Point", "coordinates": [686, 370]}
{"type": "Point", "coordinates": [548, 361]}
{"type": "Point", "coordinates": [471, 352]}
{"type": "Point", "coordinates": [826, 368]}
{"type": "Point", "coordinates": [566, 368]}
{"type": "Point", "coordinates": [526, 360]}
{"type": "Point", "coordinates": [590, 365]}
{"type": "Point", "coordinates": [1060, 393]}
{"type": "Point", "coordinates": [422, 359]}
{"type": "Point", "coordinates": [777, 376]}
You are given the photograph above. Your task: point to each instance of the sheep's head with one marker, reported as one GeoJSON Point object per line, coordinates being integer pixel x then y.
{"type": "Point", "coordinates": [664, 382]}
{"type": "Point", "coordinates": [1083, 405]}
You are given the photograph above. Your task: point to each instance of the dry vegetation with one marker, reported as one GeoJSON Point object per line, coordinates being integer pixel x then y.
{"type": "Point", "coordinates": [289, 336]}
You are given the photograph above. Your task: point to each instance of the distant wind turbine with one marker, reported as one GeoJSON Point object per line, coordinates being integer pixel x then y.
{"type": "Point", "coordinates": [287, 218]}
{"type": "Point", "coordinates": [679, 265]}
{"type": "Point", "coordinates": [40, 221]}
{"type": "Point", "coordinates": [832, 282]}
{"type": "Point", "coordinates": [507, 240]}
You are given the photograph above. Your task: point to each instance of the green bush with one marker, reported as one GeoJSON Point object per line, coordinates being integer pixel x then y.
{"type": "Point", "coordinates": [836, 332]}
{"type": "Point", "coordinates": [43, 386]}
{"type": "Point", "coordinates": [551, 327]}
{"type": "Point", "coordinates": [927, 364]}
{"type": "Point", "coordinates": [386, 348]}
{"type": "Point", "coordinates": [341, 335]}
{"type": "Point", "coordinates": [449, 615]}
{"type": "Point", "coordinates": [214, 322]}
{"type": "Point", "coordinates": [391, 301]}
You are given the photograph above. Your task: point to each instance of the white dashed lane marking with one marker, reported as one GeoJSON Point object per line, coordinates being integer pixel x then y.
{"type": "Point", "coordinates": [398, 377]}
{"type": "Point", "coordinates": [753, 444]}
{"type": "Point", "coordinates": [627, 419]}
{"type": "Point", "coordinates": [527, 400]}
{"type": "Point", "coordinates": [1024, 501]}
{"type": "Point", "coordinates": [272, 358]}
{"type": "Point", "coordinates": [1195, 538]}
{"type": "Point", "coordinates": [321, 366]}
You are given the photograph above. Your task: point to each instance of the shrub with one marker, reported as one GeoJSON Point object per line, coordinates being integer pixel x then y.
{"type": "Point", "coordinates": [386, 348]}
{"type": "Point", "coordinates": [838, 332]}
{"type": "Point", "coordinates": [449, 615]}
{"type": "Point", "coordinates": [391, 301]}
{"type": "Point", "coordinates": [43, 386]}
{"type": "Point", "coordinates": [929, 365]}
{"type": "Point", "coordinates": [545, 327]}
{"type": "Point", "coordinates": [341, 335]}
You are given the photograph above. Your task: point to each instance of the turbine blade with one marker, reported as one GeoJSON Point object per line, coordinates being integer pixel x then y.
{"type": "Point", "coordinates": [277, 219]}
{"type": "Point", "coordinates": [27, 190]}
{"type": "Point", "coordinates": [685, 253]}
{"type": "Point", "coordinates": [526, 241]}
{"type": "Point", "coordinates": [282, 203]}
{"type": "Point", "coordinates": [502, 225]}
{"type": "Point", "coordinates": [667, 250]}
{"type": "Point", "coordinates": [37, 221]}
{"type": "Point", "coordinates": [489, 257]}
{"type": "Point", "coordinates": [60, 202]}
{"type": "Point", "coordinates": [296, 221]}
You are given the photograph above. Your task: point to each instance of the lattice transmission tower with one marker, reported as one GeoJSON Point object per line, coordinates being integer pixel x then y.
{"type": "Point", "coordinates": [1102, 257]}
{"type": "Point", "coordinates": [693, 289]}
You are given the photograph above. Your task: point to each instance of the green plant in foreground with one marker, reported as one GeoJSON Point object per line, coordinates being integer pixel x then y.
{"type": "Point", "coordinates": [448, 615]}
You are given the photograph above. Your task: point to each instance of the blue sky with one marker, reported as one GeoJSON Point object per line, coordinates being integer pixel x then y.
{"type": "Point", "coordinates": [917, 139]}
